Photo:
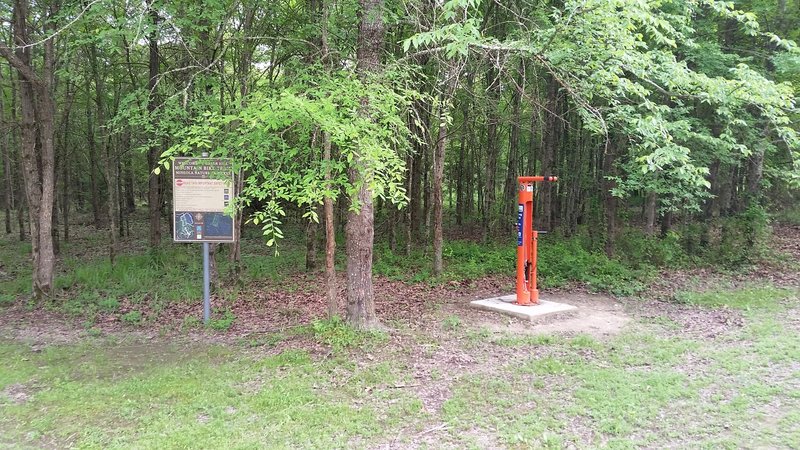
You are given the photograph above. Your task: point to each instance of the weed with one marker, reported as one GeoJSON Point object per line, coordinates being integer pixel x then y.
{"type": "Point", "coordinates": [339, 335]}
{"type": "Point", "coordinates": [268, 340]}
{"type": "Point", "coordinates": [133, 317]}
{"type": "Point", "coordinates": [451, 323]}
{"type": "Point", "coordinates": [223, 323]}
{"type": "Point", "coordinates": [109, 304]}
{"type": "Point", "coordinates": [191, 322]}
{"type": "Point", "coordinates": [94, 332]}
{"type": "Point", "coordinates": [7, 299]}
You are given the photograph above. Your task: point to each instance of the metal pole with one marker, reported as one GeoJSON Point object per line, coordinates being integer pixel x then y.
{"type": "Point", "coordinates": [206, 279]}
{"type": "Point", "coordinates": [206, 286]}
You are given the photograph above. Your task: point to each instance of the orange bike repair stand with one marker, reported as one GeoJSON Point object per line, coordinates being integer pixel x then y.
{"type": "Point", "coordinates": [527, 240]}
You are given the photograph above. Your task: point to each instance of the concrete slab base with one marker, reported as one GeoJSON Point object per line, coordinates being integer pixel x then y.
{"type": "Point", "coordinates": [505, 305]}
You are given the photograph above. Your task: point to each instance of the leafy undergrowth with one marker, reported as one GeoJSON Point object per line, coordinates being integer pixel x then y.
{"type": "Point", "coordinates": [561, 261]}
{"type": "Point", "coordinates": [162, 287]}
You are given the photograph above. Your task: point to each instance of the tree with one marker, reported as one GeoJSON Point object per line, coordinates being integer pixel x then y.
{"type": "Point", "coordinates": [37, 130]}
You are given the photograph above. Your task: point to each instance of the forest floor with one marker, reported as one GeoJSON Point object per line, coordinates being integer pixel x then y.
{"type": "Point", "coordinates": [700, 358]}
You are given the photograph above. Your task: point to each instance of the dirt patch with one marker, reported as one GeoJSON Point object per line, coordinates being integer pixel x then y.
{"type": "Point", "coordinates": [18, 393]}
{"type": "Point", "coordinates": [597, 315]}
{"type": "Point", "coordinates": [38, 329]}
{"type": "Point", "coordinates": [692, 320]}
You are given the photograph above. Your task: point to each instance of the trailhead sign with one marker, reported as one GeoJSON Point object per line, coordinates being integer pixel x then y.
{"type": "Point", "coordinates": [201, 190]}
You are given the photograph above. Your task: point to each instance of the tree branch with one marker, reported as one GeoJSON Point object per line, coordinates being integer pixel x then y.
{"type": "Point", "coordinates": [24, 70]}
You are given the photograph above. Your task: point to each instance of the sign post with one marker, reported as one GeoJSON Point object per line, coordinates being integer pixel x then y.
{"type": "Point", "coordinates": [202, 191]}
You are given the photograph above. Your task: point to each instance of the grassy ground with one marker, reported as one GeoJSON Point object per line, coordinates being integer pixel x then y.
{"type": "Point", "coordinates": [652, 385]}
{"type": "Point", "coordinates": [700, 360]}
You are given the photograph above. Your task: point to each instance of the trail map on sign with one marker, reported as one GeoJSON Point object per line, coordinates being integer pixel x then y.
{"type": "Point", "coordinates": [202, 190]}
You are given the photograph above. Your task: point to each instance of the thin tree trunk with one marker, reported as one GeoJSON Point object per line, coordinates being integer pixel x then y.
{"type": "Point", "coordinates": [460, 168]}
{"type": "Point", "coordinates": [447, 86]}
{"type": "Point", "coordinates": [5, 149]}
{"type": "Point", "coordinates": [65, 179]}
{"type": "Point", "coordinates": [330, 231]}
{"type": "Point", "coordinates": [755, 172]}
{"type": "Point", "coordinates": [311, 245]}
{"type": "Point", "coordinates": [107, 150]}
{"type": "Point", "coordinates": [415, 198]}
{"type": "Point", "coordinates": [650, 213]}
{"type": "Point", "coordinates": [92, 143]}
{"type": "Point", "coordinates": [154, 181]}
{"type": "Point", "coordinates": [551, 135]}
{"type": "Point", "coordinates": [19, 172]}
{"type": "Point", "coordinates": [609, 200]}
{"type": "Point", "coordinates": [510, 185]}
{"type": "Point", "coordinates": [492, 149]}
{"type": "Point", "coordinates": [129, 191]}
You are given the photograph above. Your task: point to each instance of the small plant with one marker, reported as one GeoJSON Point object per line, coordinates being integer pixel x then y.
{"type": "Point", "coordinates": [339, 335]}
{"type": "Point", "coordinates": [133, 317]}
{"type": "Point", "coordinates": [94, 332]}
{"type": "Point", "coordinates": [224, 323]}
{"type": "Point", "coordinates": [191, 322]}
{"type": "Point", "coordinates": [451, 323]}
{"type": "Point", "coordinates": [109, 304]}
{"type": "Point", "coordinates": [269, 340]}
{"type": "Point", "coordinates": [6, 299]}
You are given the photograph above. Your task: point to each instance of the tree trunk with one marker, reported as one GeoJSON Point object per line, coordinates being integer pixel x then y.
{"type": "Point", "coordinates": [107, 150]}
{"type": "Point", "coordinates": [92, 143]}
{"type": "Point", "coordinates": [65, 179]}
{"type": "Point", "coordinates": [330, 232]}
{"type": "Point", "coordinates": [242, 75]}
{"type": "Point", "coordinates": [609, 200]}
{"type": "Point", "coordinates": [419, 124]}
{"type": "Point", "coordinates": [650, 213]}
{"type": "Point", "coordinates": [18, 176]}
{"type": "Point", "coordinates": [666, 223]}
{"type": "Point", "coordinates": [755, 172]}
{"type": "Point", "coordinates": [461, 169]}
{"type": "Point", "coordinates": [154, 181]}
{"type": "Point", "coordinates": [38, 161]}
{"type": "Point", "coordinates": [129, 189]}
{"type": "Point", "coordinates": [510, 185]}
{"type": "Point", "coordinates": [447, 85]}
{"type": "Point", "coordinates": [5, 149]}
{"type": "Point", "coordinates": [311, 245]}
{"type": "Point", "coordinates": [492, 149]}
{"type": "Point", "coordinates": [550, 140]}
{"type": "Point", "coordinates": [360, 221]}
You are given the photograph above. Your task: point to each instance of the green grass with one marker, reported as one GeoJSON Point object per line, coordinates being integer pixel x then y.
{"type": "Point", "coordinates": [338, 335]}
{"type": "Point", "coordinates": [650, 386]}
{"type": "Point", "coordinates": [91, 396]}
{"type": "Point", "coordinates": [761, 298]}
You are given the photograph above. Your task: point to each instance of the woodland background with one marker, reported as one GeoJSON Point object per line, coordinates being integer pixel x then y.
{"type": "Point", "coordinates": [672, 126]}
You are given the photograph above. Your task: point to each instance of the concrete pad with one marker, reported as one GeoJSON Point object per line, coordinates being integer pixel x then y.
{"type": "Point", "coordinates": [504, 305]}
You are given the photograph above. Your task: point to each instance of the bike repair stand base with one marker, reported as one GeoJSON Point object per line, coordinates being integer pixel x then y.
{"type": "Point", "coordinates": [505, 305]}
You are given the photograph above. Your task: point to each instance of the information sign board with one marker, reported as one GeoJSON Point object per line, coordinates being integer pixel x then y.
{"type": "Point", "coordinates": [202, 188]}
